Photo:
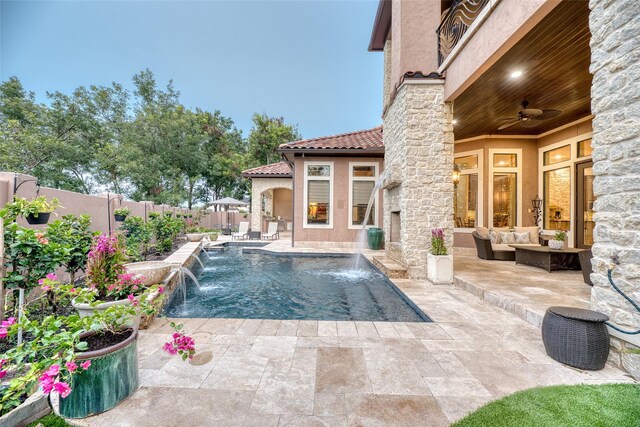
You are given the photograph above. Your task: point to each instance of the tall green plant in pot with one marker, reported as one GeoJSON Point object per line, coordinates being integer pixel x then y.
{"type": "Point", "coordinates": [439, 263]}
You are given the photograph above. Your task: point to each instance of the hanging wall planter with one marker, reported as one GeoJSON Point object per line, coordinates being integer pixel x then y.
{"type": "Point", "coordinates": [39, 218]}
{"type": "Point", "coordinates": [113, 377]}
{"type": "Point", "coordinates": [121, 214]}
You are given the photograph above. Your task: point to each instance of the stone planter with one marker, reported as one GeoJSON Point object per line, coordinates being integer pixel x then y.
{"type": "Point", "coordinates": [36, 406]}
{"type": "Point", "coordinates": [213, 236]}
{"type": "Point", "coordinates": [149, 272]}
{"type": "Point", "coordinates": [440, 269]}
{"type": "Point", "coordinates": [112, 377]}
{"type": "Point", "coordinates": [556, 244]}
{"type": "Point", "coordinates": [195, 237]}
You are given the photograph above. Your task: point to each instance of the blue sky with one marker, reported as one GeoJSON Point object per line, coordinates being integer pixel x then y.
{"type": "Point", "coordinates": [304, 60]}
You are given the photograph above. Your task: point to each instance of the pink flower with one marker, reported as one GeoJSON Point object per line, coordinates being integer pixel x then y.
{"type": "Point", "coordinates": [73, 290]}
{"type": "Point", "coordinates": [3, 374]}
{"type": "Point", "coordinates": [133, 299]}
{"type": "Point", "coordinates": [52, 276]}
{"type": "Point", "coordinates": [46, 382]}
{"type": "Point", "coordinates": [10, 321]}
{"type": "Point", "coordinates": [71, 366]}
{"type": "Point", "coordinates": [85, 365]}
{"type": "Point", "coordinates": [41, 282]}
{"type": "Point", "coordinates": [3, 333]}
{"type": "Point", "coordinates": [160, 289]}
{"type": "Point", "coordinates": [62, 388]}
{"type": "Point", "coordinates": [45, 288]}
{"type": "Point", "coordinates": [169, 348]}
{"type": "Point", "coordinates": [53, 370]}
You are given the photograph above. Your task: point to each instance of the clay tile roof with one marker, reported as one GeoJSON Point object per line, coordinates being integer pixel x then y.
{"type": "Point", "coordinates": [369, 139]}
{"type": "Point", "coordinates": [280, 169]}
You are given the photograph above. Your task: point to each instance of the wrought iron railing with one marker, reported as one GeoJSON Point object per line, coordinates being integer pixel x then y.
{"type": "Point", "coordinates": [455, 22]}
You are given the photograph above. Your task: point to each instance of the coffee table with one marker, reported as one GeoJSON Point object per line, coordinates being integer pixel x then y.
{"type": "Point", "coordinates": [547, 258]}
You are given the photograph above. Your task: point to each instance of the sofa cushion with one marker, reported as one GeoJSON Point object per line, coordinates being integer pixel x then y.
{"type": "Point", "coordinates": [483, 232]}
{"type": "Point", "coordinates": [507, 238]}
{"type": "Point", "coordinates": [502, 247]}
{"type": "Point", "coordinates": [522, 238]}
{"type": "Point", "coordinates": [533, 233]}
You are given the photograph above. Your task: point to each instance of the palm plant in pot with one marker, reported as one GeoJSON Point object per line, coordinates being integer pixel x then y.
{"type": "Point", "coordinates": [121, 214]}
{"type": "Point", "coordinates": [439, 263]}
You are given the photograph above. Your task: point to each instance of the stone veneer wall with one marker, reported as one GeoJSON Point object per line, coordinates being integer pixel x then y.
{"type": "Point", "coordinates": [259, 186]}
{"type": "Point", "coordinates": [418, 138]}
{"type": "Point", "coordinates": [615, 102]}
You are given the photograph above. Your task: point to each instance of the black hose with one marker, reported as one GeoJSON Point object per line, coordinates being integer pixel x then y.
{"type": "Point", "coordinates": [636, 306]}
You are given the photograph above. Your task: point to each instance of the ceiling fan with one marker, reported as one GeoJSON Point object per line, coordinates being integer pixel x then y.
{"type": "Point", "coordinates": [529, 117]}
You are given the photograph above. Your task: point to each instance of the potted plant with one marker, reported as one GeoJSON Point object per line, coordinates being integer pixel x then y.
{"type": "Point", "coordinates": [557, 242]}
{"type": "Point", "coordinates": [90, 362]}
{"type": "Point", "coordinates": [121, 214]}
{"type": "Point", "coordinates": [439, 264]}
{"type": "Point", "coordinates": [107, 282]}
{"type": "Point", "coordinates": [36, 211]}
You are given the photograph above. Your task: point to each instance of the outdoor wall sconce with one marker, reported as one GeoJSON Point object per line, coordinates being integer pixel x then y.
{"type": "Point", "coordinates": [456, 175]}
{"type": "Point", "coordinates": [537, 209]}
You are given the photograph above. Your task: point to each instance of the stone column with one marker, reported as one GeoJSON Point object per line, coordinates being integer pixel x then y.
{"type": "Point", "coordinates": [418, 138]}
{"type": "Point", "coordinates": [615, 102]}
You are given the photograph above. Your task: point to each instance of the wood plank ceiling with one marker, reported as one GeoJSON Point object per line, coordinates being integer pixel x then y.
{"type": "Point", "coordinates": [554, 58]}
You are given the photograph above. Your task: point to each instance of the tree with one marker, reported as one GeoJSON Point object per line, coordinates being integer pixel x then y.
{"type": "Point", "coordinates": [266, 135]}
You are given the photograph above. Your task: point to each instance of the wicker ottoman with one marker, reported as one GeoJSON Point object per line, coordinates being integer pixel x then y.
{"type": "Point", "coordinates": [576, 337]}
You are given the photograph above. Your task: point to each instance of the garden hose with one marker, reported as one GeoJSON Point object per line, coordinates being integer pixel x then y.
{"type": "Point", "coordinates": [615, 262]}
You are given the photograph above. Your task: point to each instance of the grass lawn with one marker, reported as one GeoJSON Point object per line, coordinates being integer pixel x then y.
{"type": "Point", "coordinates": [579, 405]}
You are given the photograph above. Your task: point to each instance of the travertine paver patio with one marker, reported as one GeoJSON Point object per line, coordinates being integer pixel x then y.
{"type": "Point", "coordinates": [522, 290]}
{"type": "Point", "coordinates": [272, 372]}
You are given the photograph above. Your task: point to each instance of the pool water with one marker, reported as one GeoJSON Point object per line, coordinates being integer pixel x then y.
{"type": "Point", "coordinates": [234, 284]}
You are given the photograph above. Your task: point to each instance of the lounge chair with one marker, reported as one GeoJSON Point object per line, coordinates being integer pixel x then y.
{"type": "Point", "coordinates": [485, 251]}
{"type": "Point", "coordinates": [243, 229]}
{"type": "Point", "coordinates": [272, 232]}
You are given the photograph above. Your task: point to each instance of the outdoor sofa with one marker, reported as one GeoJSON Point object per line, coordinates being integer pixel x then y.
{"type": "Point", "coordinates": [494, 244]}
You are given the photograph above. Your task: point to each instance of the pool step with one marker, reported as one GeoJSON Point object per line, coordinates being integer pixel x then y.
{"type": "Point", "coordinates": [390, 268]}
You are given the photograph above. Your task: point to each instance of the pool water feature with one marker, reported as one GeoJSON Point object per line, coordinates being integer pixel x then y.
{"type": "Point", "coordinates": [234, 284]}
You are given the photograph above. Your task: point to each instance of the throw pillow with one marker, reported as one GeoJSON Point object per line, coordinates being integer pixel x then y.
{"type": "Point", "coordinates": [522, 238]}
{"type": "Point", "coordinates": [533, 233]}
{"type": "Point", "coordinates": [507, 238]}
{"type": "Point", "coordinates": [494, 237]}
{"type": "Point", "coordinates": [483, 232]}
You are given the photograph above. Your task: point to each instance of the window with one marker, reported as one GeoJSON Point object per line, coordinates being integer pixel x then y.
{"type": "Point", "coordinates": [318, 194]}
{"type": "Point", "coordinates": [557, 155]}
{"type": "Point", "coordinates": [505, 188]}
{"type": "Point", "coordinates": [362, 182]}
{"type": "Point", "coordinates": [557, 199]}
{"type": "Point", "coordinates": [584, 148]}
{"type": "Point", "coordinates": [467, 195]}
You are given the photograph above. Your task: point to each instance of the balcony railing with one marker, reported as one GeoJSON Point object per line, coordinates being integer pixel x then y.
{"type": "Point", "coordinates": [455, 22]}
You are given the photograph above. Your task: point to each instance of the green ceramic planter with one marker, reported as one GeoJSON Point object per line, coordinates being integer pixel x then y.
{"type": "Point", "coordinates": [112, 377]}
{"type": "Point", "coordinates": [375, 237]}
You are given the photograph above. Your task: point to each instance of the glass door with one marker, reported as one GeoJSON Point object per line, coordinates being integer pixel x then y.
{"type": "Point", "coordinates": [584, 204]}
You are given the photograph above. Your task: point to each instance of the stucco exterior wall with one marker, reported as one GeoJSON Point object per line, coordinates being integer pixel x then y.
{"type": "Point", "coordinates": [259, 186]}
{"type": "Point", "coordinates": [615, 102]}
{"type": "Point", "coordinates": [98, 207]}
{"type": "Point", "coordinates": [340, 231]}
{"type": "Point", "coordinates": [418, 138]}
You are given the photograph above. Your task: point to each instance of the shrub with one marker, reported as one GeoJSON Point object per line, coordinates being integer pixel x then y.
{"type": "Point", "coordinates": [138, 235]}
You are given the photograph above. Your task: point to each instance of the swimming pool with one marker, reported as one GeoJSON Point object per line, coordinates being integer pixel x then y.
{"type": "Point", "coordinates": [234, 284]}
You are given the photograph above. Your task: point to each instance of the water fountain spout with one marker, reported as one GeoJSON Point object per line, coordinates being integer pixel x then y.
{"type": "Point", "coordinates": [197, 259]}
{"type": "Point", "coordinates": [362, 234]}
{"type": "Point", "coordinates": [186, 272]}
